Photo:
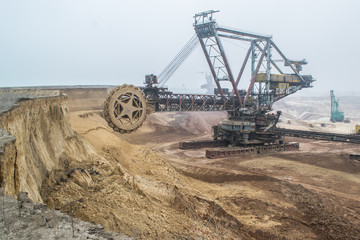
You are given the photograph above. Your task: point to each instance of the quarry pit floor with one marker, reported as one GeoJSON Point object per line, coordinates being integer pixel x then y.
{"type": "Point", "coordinates": [307, 194]}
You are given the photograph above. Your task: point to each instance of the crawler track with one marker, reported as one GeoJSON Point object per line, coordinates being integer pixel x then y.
{"type": "Point", "coordinates": [236, 151]}
{"type": "Point", "coordinates": [202, 144]}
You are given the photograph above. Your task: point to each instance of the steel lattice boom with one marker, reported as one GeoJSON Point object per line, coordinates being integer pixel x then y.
{"type": "Point", "coordinates": [265, 88]}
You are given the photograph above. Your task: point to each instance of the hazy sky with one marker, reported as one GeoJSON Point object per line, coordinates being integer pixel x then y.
{"type": "Point", "coordinates": [86, 42]}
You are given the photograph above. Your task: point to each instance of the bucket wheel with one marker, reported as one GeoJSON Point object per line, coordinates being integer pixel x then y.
{"type": "Point", "coordinates": [125, 108]}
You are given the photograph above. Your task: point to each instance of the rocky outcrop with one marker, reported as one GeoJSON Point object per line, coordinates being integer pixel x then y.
{"type": "Point", "coordinates": [23, 219]}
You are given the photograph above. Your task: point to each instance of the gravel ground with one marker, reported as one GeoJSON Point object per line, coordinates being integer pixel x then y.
{"type": "Point", "coordinates": [23, 219]}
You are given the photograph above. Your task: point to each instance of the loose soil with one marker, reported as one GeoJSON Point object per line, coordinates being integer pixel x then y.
{"type": "Point", "coordinates": [155, 190]}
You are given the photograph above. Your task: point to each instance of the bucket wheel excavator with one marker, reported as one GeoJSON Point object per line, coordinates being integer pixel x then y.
{"type": "Point", "coordinates": [125, 108]}
{"type": "Point", "coordinates": [249, 125]}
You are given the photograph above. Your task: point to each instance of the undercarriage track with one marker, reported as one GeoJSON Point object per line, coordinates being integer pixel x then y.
{"type": "Point", "coordinates": [236, 151]}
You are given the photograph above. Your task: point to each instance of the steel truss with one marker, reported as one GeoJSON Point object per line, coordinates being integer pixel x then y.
{"type": "Point", "coordinates": [162, 100]}
{"type": "Point", "coordinates": [260, 51]}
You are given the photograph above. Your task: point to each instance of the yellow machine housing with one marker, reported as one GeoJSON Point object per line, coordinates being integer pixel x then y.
{"type": "Point", "coordinates": [357, 129]}
{"type": "Point", "coordinates": [280, 82]}
{"type": "Point", "coordinates": [291, 79]}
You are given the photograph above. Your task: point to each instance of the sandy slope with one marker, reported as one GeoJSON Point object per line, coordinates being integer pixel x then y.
{"type": "Point", "coordinates": [166, 194]}
{"type": "Point", "coordinates": [134, 191]}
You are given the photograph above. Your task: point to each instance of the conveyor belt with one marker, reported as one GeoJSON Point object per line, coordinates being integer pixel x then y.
{"type": "Point", "coordinates": [349, 138]}
{"type": "Point", "coordinates": [355, 156]}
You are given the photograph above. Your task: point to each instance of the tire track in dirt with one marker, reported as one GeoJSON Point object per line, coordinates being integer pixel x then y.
{"type": "Point", "coordinates": [198, 167]}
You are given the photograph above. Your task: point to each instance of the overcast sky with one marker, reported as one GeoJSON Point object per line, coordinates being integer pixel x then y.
{"type": "Point", "coordinates": [86, 42]}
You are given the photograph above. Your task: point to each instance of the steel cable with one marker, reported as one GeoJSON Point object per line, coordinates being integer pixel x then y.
{"type": "Point", "coordinates": [177, 60]}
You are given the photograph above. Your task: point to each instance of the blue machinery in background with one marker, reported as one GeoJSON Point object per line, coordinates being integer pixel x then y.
{"type": "Point", "coordinates": [336, 114]}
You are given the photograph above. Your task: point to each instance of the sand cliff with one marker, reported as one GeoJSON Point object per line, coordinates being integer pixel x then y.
{"type": "Point", "coordinates": [42, 140]}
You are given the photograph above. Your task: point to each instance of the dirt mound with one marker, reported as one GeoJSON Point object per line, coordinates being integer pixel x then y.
{"type": "Point", "coordinates": [327, 219]}
{"type": "Point", "coordinates": [134, 191]}
{"type": "Point", "coordinates": [234, 199]}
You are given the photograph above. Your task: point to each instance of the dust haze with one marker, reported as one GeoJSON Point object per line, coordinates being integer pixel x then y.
{"type": "Point", "coordinates": [86, 153]}
{"type": "Point", "coordinates": [115, 42]}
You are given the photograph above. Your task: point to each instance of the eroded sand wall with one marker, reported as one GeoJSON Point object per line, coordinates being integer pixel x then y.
{"type": "Point", "coordinates": [7, 162]}
{"type": "Point", "coordinates": [44, 142]}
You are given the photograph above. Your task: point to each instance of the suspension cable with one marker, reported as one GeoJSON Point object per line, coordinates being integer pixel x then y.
{"type": "Point", "coordinates": [177, 60]}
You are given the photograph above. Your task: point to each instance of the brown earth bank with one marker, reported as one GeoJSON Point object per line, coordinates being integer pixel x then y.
{"type": "Point", "coordinates": [141, 184]}
{"type": "Point", "coordinates": [44, 140]}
